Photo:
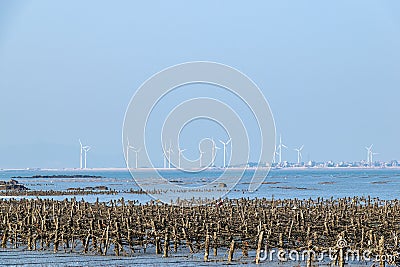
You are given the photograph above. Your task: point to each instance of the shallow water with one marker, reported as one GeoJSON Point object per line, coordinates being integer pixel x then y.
{"type": "Point", "coordinates": [280, 184]}
{"type": "Point", "coordinates": [20, 257]}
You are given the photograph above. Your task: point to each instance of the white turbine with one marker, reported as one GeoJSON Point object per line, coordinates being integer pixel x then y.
{"type": "Point", "coordinates": [169, 151]}
{"type": "Point", "coordinates": [164, 156]}
{"type": "Point", "coordinates": [179, 156]}
{"type": "Point", "coordinates": [299, 156]}
{"type": "Point", "coordinates": [80, 155]}
{"type": "Point", "coordinates": [201, 157]}
{"type": "Point", "coordinates": [369, 154]}
{"type": "Point", "coordinates": [85, 150]}
{"type": "Point", "coordinates": [136, 156]}
{"type": "Point", "coordinates": [213, 152]}
{"type": "Point", "coordinates": [225, 144]}
{"type": "Point", "coordinates": [128, 147]}
{"type": "Point", "coordinates": [281, 145]}
{"type": "Point", "coordinates": [275, 154]}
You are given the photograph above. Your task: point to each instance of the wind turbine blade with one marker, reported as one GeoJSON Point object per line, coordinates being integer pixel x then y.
{"type": "Point", "coordinates": [301, 148]}
{"type": "Point", "coordinates": [230, 139]}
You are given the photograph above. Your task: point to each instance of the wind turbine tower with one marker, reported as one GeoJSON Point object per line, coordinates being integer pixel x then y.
{"type": "Point", "coordinates": [136, 156]}
{"type": "Point", "coordinates": [164, 156]}
{"type": "Point", "coordinates": [225, 144]}
{"type": "Point", "coordinates": [83, 154]}
{"type": "Point", "coordinates": [372, 155]}
{"type": "Point", "coordinates": [180, 151]}
{"type": "Point", "coordinates": [128, 147]}
{"type": "Point", "coordinates": [299, 156]}
{"type": "Point", "coordinates": [275, 153]}
{"type": "Point", "coordinates": [85, 150]}
{"type": "Point", "coordinates": [201, 159]}
{"type": "Point", "coordinates": [281, 145]}
{"type": "Point", "coordinates": [169, 151]}
{"type": "Point", "coordinates": [80, 155]}
{"type": "Point", "coordinates": [369, 154]}
{"type": "Point", "coordinates": [214, 152]}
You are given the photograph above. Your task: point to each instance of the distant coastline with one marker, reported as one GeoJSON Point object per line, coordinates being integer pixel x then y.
{"type": "Point", "coordinates": [208, 169]}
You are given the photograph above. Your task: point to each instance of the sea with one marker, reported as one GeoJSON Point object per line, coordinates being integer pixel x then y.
{"type": "Point", "coordinates": [278, 184]}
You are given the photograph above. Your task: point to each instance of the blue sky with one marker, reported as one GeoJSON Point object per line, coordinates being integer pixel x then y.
{"type": "Point", "coordinates": [330, 71]}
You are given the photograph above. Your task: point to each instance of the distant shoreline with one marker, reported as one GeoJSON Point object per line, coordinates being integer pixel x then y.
{"type": "Point", "coordinates": [209, 169]}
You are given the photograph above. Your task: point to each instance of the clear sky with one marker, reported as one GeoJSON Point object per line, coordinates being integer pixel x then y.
{"type": "Point", "coordinates": [329, 69]}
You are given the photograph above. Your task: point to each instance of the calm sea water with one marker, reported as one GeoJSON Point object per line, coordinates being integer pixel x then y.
{"type": "Point", "coordinates": [287, 183]}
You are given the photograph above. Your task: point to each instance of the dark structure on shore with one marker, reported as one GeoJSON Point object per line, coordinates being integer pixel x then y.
{"type": "Point", "coordinates": [242, 225]}
{"type": "Point", "coordinates": [12, 185]}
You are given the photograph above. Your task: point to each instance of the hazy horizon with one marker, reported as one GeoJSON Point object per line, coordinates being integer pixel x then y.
{"type": "Point", "coordinates": [68, 70]}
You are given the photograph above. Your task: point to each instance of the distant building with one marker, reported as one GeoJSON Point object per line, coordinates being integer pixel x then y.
{"type": "Point", "coordinates": [286, 164]}
{"type": "Point", "coordinates": [310, 164]}
{"type": "Point", "coordinates": [330, 164]}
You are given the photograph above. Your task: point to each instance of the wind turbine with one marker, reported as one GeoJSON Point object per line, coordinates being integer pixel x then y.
{"type": "Point", "coordinates": [299, 156]}
{"type": "Point", "coordinates": [164, 156]}
{"type": "Point", "coordinates": [280, 149]}
{"type": "Point", "coordinates": [80, 157]}
{"type": "Point", "coordinates": [128, 147]}
{"type": "Point", "coordinates": [201, 157]}
{"type": "Point", "coordinates": [369, 154]}
{"type": "Point", "coordinates": [275, 154]}
{"type": "Point", "coordinates": [179, 156]}
{"type": "Point", "coordinates": [85, 150]}
{"type": "Point", "coordinates": [225, 144]}
{"type": "Point", "coordinates": [169, 151]}
{"type": "Point", "coordinates": [136, 156]}
{"type": "Point", "coordinates": [213, 152]}
{"type": "Point", "coordinates": [373, 154]}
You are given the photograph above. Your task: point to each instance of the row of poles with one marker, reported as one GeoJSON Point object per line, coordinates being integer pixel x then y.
{"type": "Point", "coordinates": [125, 228]}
